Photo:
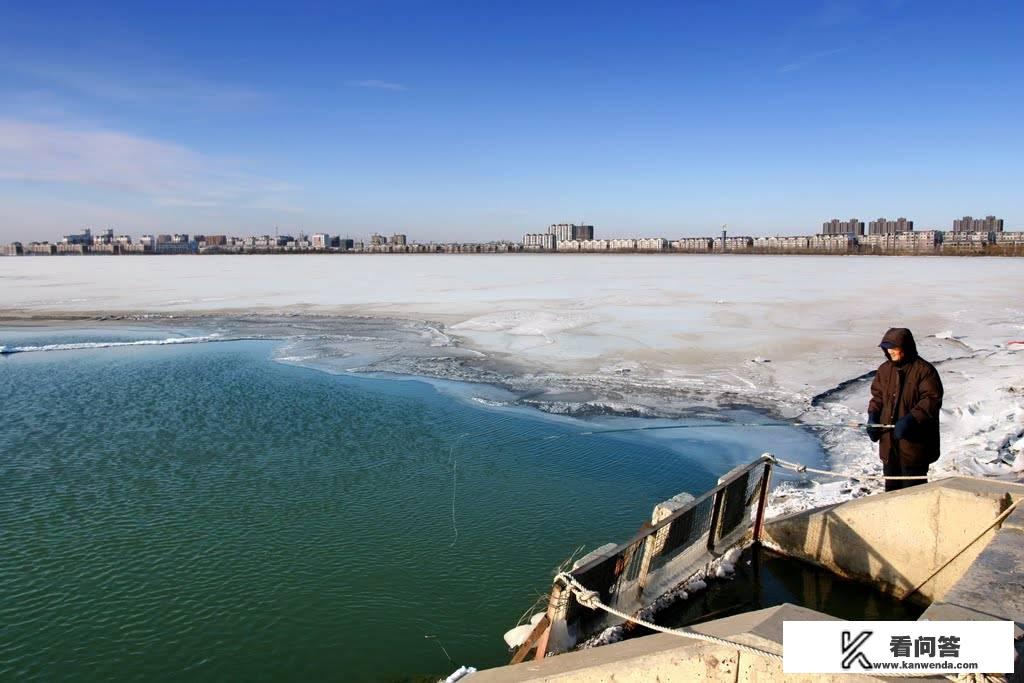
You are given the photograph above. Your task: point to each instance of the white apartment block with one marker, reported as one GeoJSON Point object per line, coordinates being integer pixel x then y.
{"type": "Point", "coordinates": [539, 241]}
{"type": "Point", "coordinates": [652, 244]}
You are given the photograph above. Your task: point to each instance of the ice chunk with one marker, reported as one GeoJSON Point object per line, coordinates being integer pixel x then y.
{"type": "Point", "coordinates": [460, 673]}
{"type": "Point", "coordinates": [517, 636]}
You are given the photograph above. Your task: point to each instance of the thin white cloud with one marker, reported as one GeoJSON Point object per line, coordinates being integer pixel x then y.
{"type": "Point", "coordinates": [377, 85]}
{"type": "Point", "coordinates": [807, 60]}
{"type": "Point", "coordinates": [151, 87]}
{"type": "Point", "coordinates": [165, 173]}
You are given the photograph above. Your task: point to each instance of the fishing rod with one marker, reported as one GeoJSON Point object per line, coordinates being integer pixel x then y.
{"type": "Point", "coordinates": [712, 425]}
{"type": "Point", "coordinates": [721, 425]}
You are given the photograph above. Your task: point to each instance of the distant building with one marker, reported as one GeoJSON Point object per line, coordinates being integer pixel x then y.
{"type": "Point", "coordinates": [103, 237]}
{"type": "Point", "coordinates": [320, 241]}
{"type": "Point", "coordinates": [883, 226]}
{"type": "Point", "coordinates": [172, 247]}
{"type": "Point", "coordinates": [570, 231]}
{"type": "Point", "coordinates": [838, 227]}
{"type": "Point", "coordinates": [923, 242]}
{"type": "Point", "coordinates": [41, 248]}
{"type": "Point", "coordinates": [782, 244]}
{"type": "Point", "coordinates": [961, 241]}
{"type": "Point", "coordinates": [216, 240]}
{"type": "Point", "coordinates": [726, 243]}
{"type": "Point", "coordinates": [622, 244]}
{"type": "Point", "coordinates": [986, 224]}
{"type": "Point", "coordinates": [378, 240]}
{"type": "Point", "coordinates": [539, 241]}
{"type": "Point", "coordinates": [652, 244]}
{"type": "Point", "coordinates": [12, 249]}
{"type": "Point", "coordinates": [843, 242]}
{"type": "Point", "coordinates": [1007, 239]}
{"type": "Point", "coordinates": [694, 244]}
{"type": "Point", "coordinates": [83, 237]}
{"type": "Point", "coordinates": [742, 243]}
{"type": "Point", "coordinates": [399, 239]}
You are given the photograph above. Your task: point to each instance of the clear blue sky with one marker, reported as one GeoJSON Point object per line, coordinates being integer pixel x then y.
{"type": "Point", "coordinates": [480, 120]}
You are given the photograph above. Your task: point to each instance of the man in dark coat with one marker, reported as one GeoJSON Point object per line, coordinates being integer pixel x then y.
{"type": "Point", "coordinates": [907, 393]}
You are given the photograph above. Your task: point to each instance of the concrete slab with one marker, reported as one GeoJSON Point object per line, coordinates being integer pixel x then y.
{"type": "Point", "coordinates": [671, 659]}
{"type": "Point", "coordinates": [894, 541]}
{"type": "Point", "coordinates": [944, 611]}
{"type": "Point", "coordinates": [994, 583]}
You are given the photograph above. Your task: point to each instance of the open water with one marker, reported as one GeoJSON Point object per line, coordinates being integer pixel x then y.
{"type": "Point", "coordinates": [202, 512]}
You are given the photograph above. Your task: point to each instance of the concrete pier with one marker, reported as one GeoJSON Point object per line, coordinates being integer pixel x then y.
{"type": "Point", "coordinates": [937, 541]}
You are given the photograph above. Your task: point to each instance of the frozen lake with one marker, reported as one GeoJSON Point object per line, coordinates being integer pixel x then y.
{"type": "Point", "coordinates": [621, 333]}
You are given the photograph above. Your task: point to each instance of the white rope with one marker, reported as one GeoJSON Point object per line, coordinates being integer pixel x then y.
{"type": "Point", "coordinates": [797, 467]}
{"type": "Point", "coordinates": [590, 599]}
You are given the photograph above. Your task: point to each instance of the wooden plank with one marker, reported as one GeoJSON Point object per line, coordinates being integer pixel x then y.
{"type": "Point", "coordinates": [531, 640]}
{"type": "Point", "coordinates": [762, 500]}
{"type": "Point", "coordinates": [542, 643]}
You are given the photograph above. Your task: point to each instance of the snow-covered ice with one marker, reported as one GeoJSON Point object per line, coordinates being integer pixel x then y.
{"type": "Point", "coordinates": [637, 334]}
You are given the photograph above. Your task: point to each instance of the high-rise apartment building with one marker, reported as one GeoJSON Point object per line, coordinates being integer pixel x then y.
{"type": "Point", "coordinates": [986, 224]}
{"type": "Point", "coordinates": [540, 240]}
{"type": "Point", "coordinates": [883, 226]}
{"type": "Point", "coordinates": [838, 227]}
{"type": "Point", "coordinates": [570, 231]}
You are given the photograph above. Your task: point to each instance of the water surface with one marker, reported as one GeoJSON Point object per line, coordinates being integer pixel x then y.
{"type": "Point", "coordinates": [202, 512]}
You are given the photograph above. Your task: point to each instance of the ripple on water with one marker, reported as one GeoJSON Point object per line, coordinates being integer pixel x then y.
{"type": "Point", "coordinates": [203, 512]}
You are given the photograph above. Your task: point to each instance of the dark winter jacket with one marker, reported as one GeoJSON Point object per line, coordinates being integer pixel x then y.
{"type": "Point", "coordinates": [912, 387]}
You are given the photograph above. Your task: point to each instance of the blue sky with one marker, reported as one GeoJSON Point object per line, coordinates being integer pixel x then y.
{"type": "Point", "coordinates": [485, 120]}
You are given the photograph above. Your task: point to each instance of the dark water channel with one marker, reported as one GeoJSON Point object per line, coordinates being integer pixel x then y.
{"type": "Point", "coordinates": [765, 578]}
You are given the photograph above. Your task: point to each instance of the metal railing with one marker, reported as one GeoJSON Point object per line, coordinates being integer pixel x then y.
{"type": "Point", "coordinates": [658, 558]}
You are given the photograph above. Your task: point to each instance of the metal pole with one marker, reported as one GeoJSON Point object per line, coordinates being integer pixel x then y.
{"type": "Point", "coordinates": [716, 512]}
{"type": "Point", "coordinates": [762, 500]}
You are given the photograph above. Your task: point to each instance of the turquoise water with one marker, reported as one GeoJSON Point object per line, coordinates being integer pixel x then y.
{"type": "Point", "coordinates": [202, 512]}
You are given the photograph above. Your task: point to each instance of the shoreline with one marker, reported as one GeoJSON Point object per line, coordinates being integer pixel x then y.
{"type": "Point", "coordinates": [630, 335]}
{"type": "Point", "coordinates": [582, 399]}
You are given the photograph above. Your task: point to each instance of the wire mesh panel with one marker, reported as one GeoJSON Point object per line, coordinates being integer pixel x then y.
{"type": "Point", "coordinates": [669, 552]}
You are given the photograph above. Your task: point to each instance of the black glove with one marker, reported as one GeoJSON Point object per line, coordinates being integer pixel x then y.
{"type": "Point", "coordinates": [874, 433]}
{"type": "Point", "coordinates": [903, 427]}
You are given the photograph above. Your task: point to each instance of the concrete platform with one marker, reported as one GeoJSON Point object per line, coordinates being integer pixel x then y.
{"type": "Point", "coordinates": [670, 659]}
{"type": "Point", "coordinates": [893, 542]}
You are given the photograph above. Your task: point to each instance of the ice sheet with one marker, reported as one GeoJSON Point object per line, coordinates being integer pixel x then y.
{"type": "Point", "coordinates": [637, 334]}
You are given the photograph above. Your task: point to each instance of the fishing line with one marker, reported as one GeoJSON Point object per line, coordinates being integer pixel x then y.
{"type": "Point", "coordinates": [441, 645]}
{"type": "Point", "coordinates": [454, 462]}
{"type": "Point", "coordinates": [712, 425]}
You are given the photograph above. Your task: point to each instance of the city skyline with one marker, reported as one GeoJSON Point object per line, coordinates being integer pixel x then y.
{"type": "Point", "coordinates": [480, 123]}
{"type": "Point", "coordinates": [836, 236]}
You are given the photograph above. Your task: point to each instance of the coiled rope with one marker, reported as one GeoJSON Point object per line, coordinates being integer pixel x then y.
{"type": "Point", "coordinates": [591, 600]}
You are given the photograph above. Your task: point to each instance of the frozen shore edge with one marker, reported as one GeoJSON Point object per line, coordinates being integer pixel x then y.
{"type": "Point", "coordinates": [983, 418]}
